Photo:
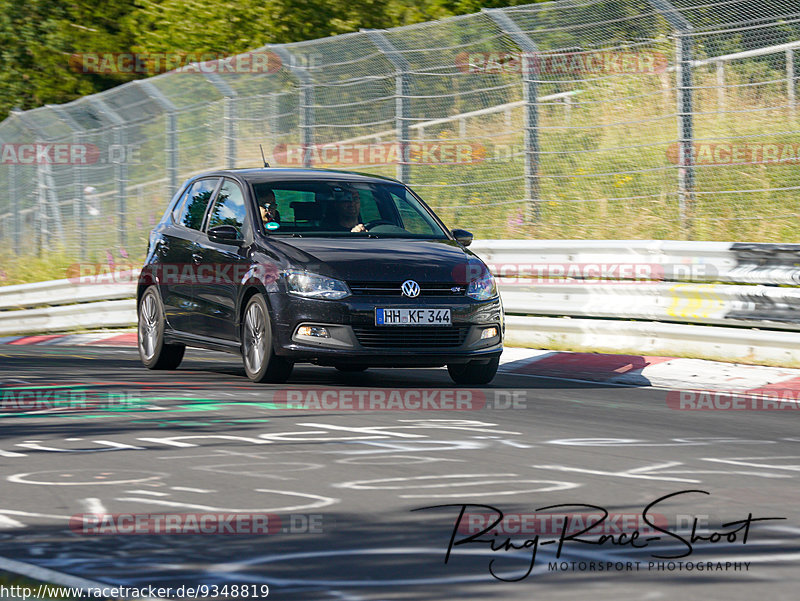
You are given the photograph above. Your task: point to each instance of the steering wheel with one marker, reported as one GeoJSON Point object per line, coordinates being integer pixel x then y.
{"type": "Point", "coordinates": [375, 222]}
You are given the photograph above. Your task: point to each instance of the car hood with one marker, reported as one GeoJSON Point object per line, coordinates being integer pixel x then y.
{"type": "Point", "coordinates": [382, 259]}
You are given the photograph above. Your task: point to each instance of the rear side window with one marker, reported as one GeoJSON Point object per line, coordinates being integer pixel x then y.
{"type": "Point", "coordinates": [229, 207]}
{"type": "Point", "coordinates": [193, 206]}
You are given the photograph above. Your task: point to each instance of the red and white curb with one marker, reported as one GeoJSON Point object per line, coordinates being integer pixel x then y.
{"type": "Point", "coordinates": [643, 370]}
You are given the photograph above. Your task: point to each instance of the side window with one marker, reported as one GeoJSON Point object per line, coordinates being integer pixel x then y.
{"type": "Point", "coordinates": [196, 202]}
{"type": "Point", "coordinates": [176, 202]}
{"type": "Point", "coordinates": [413, 221]}
{"type": "Point", "coordinates": [369, 206]}
{"type": "Point", "coordinates": [229, 207]}
{"type": "Point", "coordinates": [176, 212]}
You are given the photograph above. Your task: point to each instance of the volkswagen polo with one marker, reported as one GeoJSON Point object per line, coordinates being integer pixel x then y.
{"type": "Point", "coordinates": [286, 266]}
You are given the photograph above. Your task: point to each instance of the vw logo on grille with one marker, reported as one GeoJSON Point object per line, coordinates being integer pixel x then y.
{"type": "Point", "coordinates": [410, 289]}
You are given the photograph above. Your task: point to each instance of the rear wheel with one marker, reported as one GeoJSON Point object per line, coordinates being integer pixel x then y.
{"type": "Point", "coordinates": [260, 361]}
{"type": "Point", "coordinates": [155, 354]}
{"type": "Point", "coordinates": [473, 372]}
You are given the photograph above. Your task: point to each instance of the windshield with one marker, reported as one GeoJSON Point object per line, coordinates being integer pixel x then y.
{"type": "Point", "coordinates": [341, 208]}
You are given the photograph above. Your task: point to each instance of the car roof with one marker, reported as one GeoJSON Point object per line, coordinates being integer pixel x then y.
{"type": "Point", "coordinates": [272, 174]}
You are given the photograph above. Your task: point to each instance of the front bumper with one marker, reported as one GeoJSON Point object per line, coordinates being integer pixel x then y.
{"type": "Point", "coordinates": [355, 339]}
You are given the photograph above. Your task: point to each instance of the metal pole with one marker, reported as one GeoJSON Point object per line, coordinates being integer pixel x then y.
{"type": "Point", "coordinates": [790, 87]}
{"type": "Point", "coordinates": [12, 194]}
{"type": "Point", "coordinates": [47, 197]}
{"type": "Point", "coordinates": [683, 74]}
{"type": "Point", "coordinates": [306, 104]}
{"type": "Point", "coordinates": [120, 168]}
{"type": "Point", "coordinates": [78, 212]}
{"type": "Point", "coordinates": [307, 123]}
{"type": "Point", "coordinates": [402, 110]}
{"type": "Point", "coordinates": [273, 108]}
{"type": "Point", "coordinates": [170, 130]}
{"type": "Point", "coordinates": [720, 86]}
{"type": "Point", "coordinates": [685, 125]}
{"type": "Point", "coordinates": [229, 116]}
{"type": "Point", "coordinates": [531, 116]}
{"type": "Point", "coordinates": [78, 206]}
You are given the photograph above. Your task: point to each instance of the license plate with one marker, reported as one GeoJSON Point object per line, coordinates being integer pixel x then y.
{"type": "Point", "coordinates": [412, 317]}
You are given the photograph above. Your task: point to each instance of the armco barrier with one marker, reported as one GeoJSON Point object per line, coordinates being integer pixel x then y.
{"type": "Point", "coordinates": [693, 289]}
{"type": "Point", "coordinates": [65, 305]}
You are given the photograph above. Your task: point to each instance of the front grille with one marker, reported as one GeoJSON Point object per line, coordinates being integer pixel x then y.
{"type": "Point", "coordinates": [393, 289]}
{"type": "Point", "coordinates": [399, 337]}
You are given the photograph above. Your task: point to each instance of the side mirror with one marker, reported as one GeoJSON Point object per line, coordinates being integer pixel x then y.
{"type": "Point", "coordinates": [226, 234]}
{"type": "Point", "coordinates": [463, 237]}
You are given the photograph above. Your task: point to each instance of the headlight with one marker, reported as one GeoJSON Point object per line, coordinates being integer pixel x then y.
{"type": "Point", "coordinates": [311, 285]}
{"type": "Point", "coordinates": [482, 288]}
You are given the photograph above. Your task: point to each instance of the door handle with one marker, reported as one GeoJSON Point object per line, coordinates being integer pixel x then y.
{"type": "Point", "coordinates": [196, 258]}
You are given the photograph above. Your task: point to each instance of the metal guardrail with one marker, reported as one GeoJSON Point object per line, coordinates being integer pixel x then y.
{"type": "Point", "coordinates": [614, 294]}
{"type": "Point", "coordinates": [67, 305]}
{"type": "Point", "coordinates": [709, 283]}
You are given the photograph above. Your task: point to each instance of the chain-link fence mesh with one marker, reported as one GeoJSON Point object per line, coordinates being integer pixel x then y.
{"type": "Point", "coordinates": [567, 119]}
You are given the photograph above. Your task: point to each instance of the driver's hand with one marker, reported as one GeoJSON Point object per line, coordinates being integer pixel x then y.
{"type": "Point", "coordinates": [359, 228]}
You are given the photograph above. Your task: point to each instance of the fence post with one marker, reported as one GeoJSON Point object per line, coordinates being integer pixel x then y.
{"type": "Point", "coordinates": [274, 110]}
{"type": "Point", "coordinates": [48, 208]}
{"type": "Point", "coordinates": [531, 115]}
{"type": "Point", "coordinates": [790, 87]}
{"type": "Point", "coordinates": [402, 93]}
{"type": "Point", "coordinates": [683, 74]}
{"type": "Point", "coordinates": [306, 103]}
{"type": "Point", "coordinates": [78, 215]}
{"type": "Point", "coordinates": [12, 196]}
{"type": "Point", "coordinates": [229, 116]}
{"type": "Point", "coordinates": [171, 131]}
{"type": "Point", "coordinates": [120, 168]}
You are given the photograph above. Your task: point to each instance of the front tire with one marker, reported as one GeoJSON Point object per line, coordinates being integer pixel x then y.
{"type": "Point", "coordinates": [473, 372]}
{"type": "Point", "coordinates": [260, 361]}
{"type": "Point", "coordinates": [154, 353]}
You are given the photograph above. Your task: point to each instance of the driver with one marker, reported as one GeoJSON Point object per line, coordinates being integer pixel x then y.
{"type": "Point", "coordinates": [268, 207]}
{"type": "Point", "coordinates": [344, 216]}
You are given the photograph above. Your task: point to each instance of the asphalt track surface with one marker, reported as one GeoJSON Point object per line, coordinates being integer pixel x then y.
{"type": "Point", "coordinates": [204, 439]}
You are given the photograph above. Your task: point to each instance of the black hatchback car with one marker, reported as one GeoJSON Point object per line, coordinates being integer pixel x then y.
{"type": "Point", "coordinates": [315, 266]}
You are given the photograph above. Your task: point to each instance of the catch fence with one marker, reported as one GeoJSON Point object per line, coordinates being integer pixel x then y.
{"type": "Point", "coordinates": [593, 119]}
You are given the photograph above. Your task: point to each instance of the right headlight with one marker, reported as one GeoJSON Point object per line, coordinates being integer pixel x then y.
{"type": "Point", "coordinates": [482, 287]}
{"type": "Point", "coordinates": [312, 285]}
